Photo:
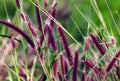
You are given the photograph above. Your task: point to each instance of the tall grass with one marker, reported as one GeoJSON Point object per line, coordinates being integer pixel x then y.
{"type": "Point", "coordinates": [42, 51]}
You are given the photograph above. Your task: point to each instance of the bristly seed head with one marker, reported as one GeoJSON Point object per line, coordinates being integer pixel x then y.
{"type": "Point", "coordinates": [43, 77]}
{"type": "Point", "coordinates": [113, 40]}
{"type": "Point", "coordinates": [97, 44]}
{"type": "Point", "coordinates": [53, 6]}
{"type": "Point", "coordinates": [19, 31]}
{"type": "Point", "coordinates": [55, 67]}
{"type": "Point", "coordinates": [66, 47]}
{"type": "Point", "coordinates": [64, 66]}
{"type": "Point", "coordinates": [26, 20]}
{"type": "Point", "coordinates": [38, 17]}
{"type": "Point", "coordinates": [89, 64]}
{"type": "Point", "coordinates": [59, 76]}
{"type": "Point", "coordinates": [18, 3]}
{"type": "Point", "coordinates": [45, 3]}
{"type": "Point", "coordinates": [83, 76]}
{"type": "Point", "coordinates": [111, 64]}
{"type": "Point", "coordinates": [51, 38]}
{"type": "Point", "coordinates": [87, 43]}
{"type": "Point", "coordinates": [74, 76]}
{"type": "Point", "coordinates": [13, 42]}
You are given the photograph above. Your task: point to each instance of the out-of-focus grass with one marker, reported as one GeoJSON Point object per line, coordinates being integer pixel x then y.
{"type": "Point", "coordinates": [70, 17]}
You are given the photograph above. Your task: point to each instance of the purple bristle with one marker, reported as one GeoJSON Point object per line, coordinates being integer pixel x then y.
{"type": "Point", "coordinates": [112, 62]}
{"type": "Point", "coordinates": [65, 44]}
{"type": "Point", "coordinates": [74, 75]}
{"type": "Point", "coordinates": [19, 31]}
{"type": "Point", "coordinates": [97, 44]}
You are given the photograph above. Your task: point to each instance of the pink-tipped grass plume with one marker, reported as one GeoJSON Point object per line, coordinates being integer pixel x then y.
{"type": "Point", "coordinates": [26, 20]}
{"type": "Point", "coordinates": [97, 44]}
{"type": "Point", "coordinates": [113, 40]}
{"type": "Point", "coordinates": [13, 42]}
{"type": "Point", "coordinates": [27, 38]}
{"type": "Point", "coordinates": [46, 3]}
{"type": "Point", "coordinates": [51, 38]}
{"type": "Point", "coordinates": [22, 73]}
{"type": "Point", "coordinates": [12, 38]}
{"type": "Point", "coordinates": [55, 67]}
{"type": "Point", "coordinates": [18, 3]}
{"type": "Point", "coordinates": [112, 62]}
{"type": "Point", "coordinates": [74, 75]}
{"type": "Point", "coordinates": [64, 66]}
{"type": "Point", "coordinates": [83, 76]}
{"type": "Point", "coordinates": [65, 44]}
{"type": "Point", "coordinates": [43, 78]}
{"type": "Point", "coordinates": [53, 6]}
{"type": "Point", "coordinates": [38, 17]}
{"type": "Point", "coordinates": [41, 39]}
{"type": "Point", "coordinates": [87, 43]}
{"type": "Point", "coordinates": [89, 64]}
{"type": "Point", "coordinates": [59, 76]}
{"type": "Point", "coordinates": [90, 79]}
{"type": "Point", "coordinates": [53, 78]}
{"type": "Point", "coordinates": [53, 13]}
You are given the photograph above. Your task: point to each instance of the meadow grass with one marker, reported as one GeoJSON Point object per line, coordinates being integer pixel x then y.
{"type": "Point", "coordinates": [42, 49]}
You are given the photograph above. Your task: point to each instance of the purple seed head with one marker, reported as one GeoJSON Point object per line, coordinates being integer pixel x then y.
{"type": "Point", "coordinates": [54, 16]}
{"type": "Point", "coordinates": [106, 44]}
{"type": "Point", "coordinates": [112, 62]}
{"type": "Point", "coordinates": [26, 20]}
{"type": "Point", "coordinates": [18, 3]}
{"type": "Point", "coordinates": [66, 67]}
{"type": "Point", "coordinates": [113, 40]}
{"type": "Point", "coordinates": [83, 76]}
{"type": "Point", "coordinates": [45, 3]}
{"type": "Point", "coordinates": [65, 44]}
{"type": "Point", "coordinates": [74, 76]}
{"type": "Point", "coordinates": [27, 38]}
{"type": "Point", "coordinates": [90, 78]}
{"type": "Point", "coordinates": [38, 17]}
{"type": "Point", "coordinates": [59, 76]}
{"type": "Point", "coordinates": [41, 39]}
{"type": "Point", "coordinates": [23, 16]}
{"type": "Point", "coordinates": [87, 43]}
{"type": "Point", "coordinates": [98, 70]}
{"type": "Point", "coordinates": [55, 66]}
{"type": "Point", "coordinates": [22, 74]}
{"type": "Point", "coordinates": [3, 72]}
{"type": "Point", "coordinates": [53, 78]}
{"type": "Point", "coordinates": [32, 29]}
{"type": "Point", "coordinates": [51, 38]}
{"type": "Point", "coordinates": [13, 42]}
{"type": "Point", "coordinates": [52, 11]}
{"type": "Point", "coordinates": [42, 78]}
{"type": "Point", "coordinates": [88, 64]}
{"type": "Point", "coordinates": [53, 6]}
{"type": "Point", "coordinates": [12, 38]}
{"type": "Point", "coordinates": [62, 64]}
{"type": "Point", "coordinates": [97, 44]}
